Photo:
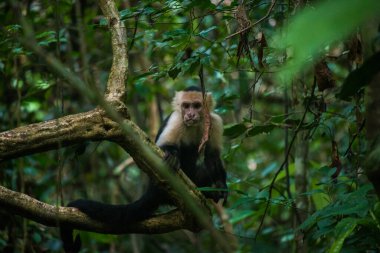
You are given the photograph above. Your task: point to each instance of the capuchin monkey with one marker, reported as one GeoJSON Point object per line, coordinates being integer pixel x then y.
{"type": "Point", "coordinates": [180, 138]}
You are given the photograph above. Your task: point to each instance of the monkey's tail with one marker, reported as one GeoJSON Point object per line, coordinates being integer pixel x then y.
{"type": "Point", "coordinates": [70, 244]}
{"type": "Point", "coordinates": [114, 215]}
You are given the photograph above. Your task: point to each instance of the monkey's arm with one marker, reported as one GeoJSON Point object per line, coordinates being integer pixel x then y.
{"type": "Point", "coordinates": [213, 174]}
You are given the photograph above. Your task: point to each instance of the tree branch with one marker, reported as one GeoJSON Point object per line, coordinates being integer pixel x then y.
{"type": "Point", "coordinates": [53, 134]}
{"type": "Point", "coordinates": [52, 216]}
{"type": "Point", "coordinates": [116, 81]}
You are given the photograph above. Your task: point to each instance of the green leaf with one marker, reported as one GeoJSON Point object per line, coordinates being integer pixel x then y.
{"type": "Point", "coordinates": [312, 192]}
{"type": "Point", "coordinates": [201, 4]}
{"type": "Point", "coordinates": [103, 22]}
{"type": "Point", "coordinates": [205, 32]}
{"type": "Point", "coordinates": [211, 189]}
{"type": "Point", "coordinates": [31, 106]}
{"type": "Point", "coordinates": [360, 77]}
{"type": "Point", "coordinates": [36, 238]}
{"type": "Point", "coordinates": [126, 13]}
{"type": "Point", "coordinates": [18, 50]}
{"type": "Point", "coordinates": [174, 71]}
{"type": "Point", "coordinates": [343, 229]}
{"type": "Point", "coordinates": [47, 34]}
{"type": "Point", "coordinates": [314, 29]}
{"type": "Point", "coordinates": [148, 10]}
{"type": "Point", "coordinates": [244, 200]}
{"type": "Point", "coordinates": [235, 130]}
{"type": "Point", "coordinates": [171, 35]}
{"type": "Point", "coordinates": [179, 56]}
{"type": "Point", "coordinates": [358, 207]}
{"type": "Point", "coordinates": [353, 203]}
{"type": "Point", "coordinates": [42, 85]}
{"type": "Point", "coordinates": [260, 130]}
{"type": "Point", "coordinates": [241, 216]}
{"type": "Point", "coordinates": [190, 65]}
{"type": "Point", "coordinates": [13, 28]}
{"type": "Point", "coordinates": [206, 60]}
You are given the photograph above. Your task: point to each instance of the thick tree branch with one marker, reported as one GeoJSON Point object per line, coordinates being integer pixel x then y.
{"type": "Point", "coordinates": [116, 81]}
{"type": "Point", "coordinates": [49, 215]}
{"type": "Point", "coordinates": [53, 134]}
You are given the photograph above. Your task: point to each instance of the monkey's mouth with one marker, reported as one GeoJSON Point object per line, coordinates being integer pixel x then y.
{"type": "Point", "coordinates": [191, 122]}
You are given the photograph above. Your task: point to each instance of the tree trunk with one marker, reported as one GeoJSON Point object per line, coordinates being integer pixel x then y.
{"type": "Point", "coordinates": [372, 164]}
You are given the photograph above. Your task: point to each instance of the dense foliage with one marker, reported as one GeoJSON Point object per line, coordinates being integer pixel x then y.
{"type": "Point", "coordinates": [295, 144]}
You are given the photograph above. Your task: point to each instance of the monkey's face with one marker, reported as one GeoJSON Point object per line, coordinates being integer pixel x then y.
{"type": "Point", "coordinates": [191, 112]}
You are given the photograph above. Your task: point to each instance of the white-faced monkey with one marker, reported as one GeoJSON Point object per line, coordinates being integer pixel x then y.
{"type": "Point", "coordinates": [179, 137]}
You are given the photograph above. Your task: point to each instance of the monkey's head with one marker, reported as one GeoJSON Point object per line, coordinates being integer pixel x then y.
{"type": "Point", "coordinates": [190, 104]}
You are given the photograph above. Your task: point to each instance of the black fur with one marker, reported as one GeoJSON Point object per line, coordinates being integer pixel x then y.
{"type": "Point", "coordinates": [193, 88]}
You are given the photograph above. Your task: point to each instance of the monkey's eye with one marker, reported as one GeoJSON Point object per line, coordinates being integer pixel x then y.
{"type": "Point", "coordinates": [197, 105]}
{"type": "Point", "coordinates": [185, 105]}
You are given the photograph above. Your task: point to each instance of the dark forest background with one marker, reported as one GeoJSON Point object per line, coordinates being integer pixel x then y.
{"type": "Point", "coordinates": [292, 80]}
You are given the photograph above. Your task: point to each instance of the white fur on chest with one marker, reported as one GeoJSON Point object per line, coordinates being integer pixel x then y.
{"type": "Point", "coordinates": [177, 133]}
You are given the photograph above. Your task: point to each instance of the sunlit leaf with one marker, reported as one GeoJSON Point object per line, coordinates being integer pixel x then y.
{"type": "Point", "coordinates": [13, 28]}
{"type": "Point", "coordinates": [31, 106]}
{"type": "Point", "coordinates": [45, 34]}
{"type": "Point", "coordinates": [42, 85]}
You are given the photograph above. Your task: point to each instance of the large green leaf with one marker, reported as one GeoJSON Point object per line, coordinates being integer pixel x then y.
{"type": "Point", "coordinates": [343, 229]}
{"type": "Point", "coordinates": [314, 29]}
{"type": "Point", "coordinates": [353, 203]}
{"type": "Point", "coordinates": [235, 130]}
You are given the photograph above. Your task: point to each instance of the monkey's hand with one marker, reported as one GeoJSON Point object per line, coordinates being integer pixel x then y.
{"type": "Point", "coordinates": [172, 161]}
{"type": "Point", "coordinates": [221, 193]}
{"type": "Point", "coordinates": [171, 157]}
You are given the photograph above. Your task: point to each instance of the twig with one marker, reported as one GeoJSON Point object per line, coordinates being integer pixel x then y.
{"type": "Point", "coordinates": [134, 32]}
{"type": "Point", "coordinates": [355, 136]}
{"type": "Point", "coordinates": [258, 21]}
